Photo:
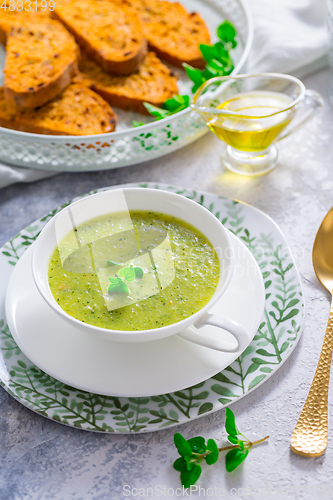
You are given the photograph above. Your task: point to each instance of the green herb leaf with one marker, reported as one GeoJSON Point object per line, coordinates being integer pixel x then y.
{"type": "Point", "coordinates": [117, 285]}
{"type": "Point", "coordinates": [230, 424]}
{"type": "Point", "coordinates": [226, 32]}
{"type": "Point", "coordinates": [220, 53]}
{"type": "Point", "coordinates": [177, 103]}
{"type": "Point", "coordinates": [123, 288]}
{"type": "Point", "coordinates": [234, 458]}
{"type": "Point", "coordinates": [171, 106]}
{"type": "Point", "coordinates": [194, 450]}
{"type": "Point", "coordinates": [184, 449]}
{"type": "Point", "coordinates": [180, 464]}
{"type": "Point", "coordinates": [233, 439]}
{"type": "Point", "coordinates": [207, 51]}
{"type": "Point", "coordinates": [189, 477]}
{"type": "Point", "coordinates": [138, 272]}
{"type": "Point", "coordinates": [208, 74]}
{"type": "Point", "coordinates": [114, 284]}
{"type": "Point", "coordinates": [195, 75]}
{"type": "Point", "coordinates": [214, 452]}
{"type": "Point", "coordinates": [213, 71]}
{"type": "Point", "coordinates": [127, 272]}
{"type": "Point", "coordinates": [137, 124]}
{"type": "Point", "coordinates": [157, 112]}
{"type": "Point", "coordinates": [198, 444]}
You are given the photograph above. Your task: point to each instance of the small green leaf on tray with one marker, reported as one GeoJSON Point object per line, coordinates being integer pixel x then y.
{"type": "Point", "coordinates": [195, 75]}
{"type": "Point", "coordinates": [177, 103]}
{"type": "Point", "coordinates": [226, 32]}
{"type": "Point", "coordinates": [157, 112]}
{"type": "Point", "coordinates": [170, 107]}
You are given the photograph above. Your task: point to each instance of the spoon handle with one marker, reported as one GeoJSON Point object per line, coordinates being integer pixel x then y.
{"type": "Point", "coordinates": [309, 438]}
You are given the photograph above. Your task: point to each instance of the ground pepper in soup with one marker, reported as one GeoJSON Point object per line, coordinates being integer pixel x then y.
{"type": "Point", "coordinates": [133, 271]}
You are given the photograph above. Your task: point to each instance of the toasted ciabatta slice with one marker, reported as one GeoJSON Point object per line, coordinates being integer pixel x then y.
{"type": "Point", "coordinates": [77, 111]}
{"type": "Point", "coordinates": [16, 18]}
{"type": "Point", "coordinates": [41, 61]}
{"type": "Point", "coordinates": [172, 32]}
{"type": "Point", "coordinates": [153, 83]}
{"type": "Point", "coordinates": [110, 35]}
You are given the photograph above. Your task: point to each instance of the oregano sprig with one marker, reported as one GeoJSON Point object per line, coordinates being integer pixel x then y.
{"type": "Point", "coordinates": [193, 451]}
{"type": "Point", "coordinates": [218, 63]}
{"type": "Point", "coordinates": [217, 57]}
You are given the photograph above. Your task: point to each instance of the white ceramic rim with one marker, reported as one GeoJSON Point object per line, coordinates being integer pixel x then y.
{"type": "Point", "coordinates": [151, 334]}
{"type": "Point", "coordinates": [57, 373]}
{"type": "Point", "coordinates": [149, 126]}
{"type": "Point", "coordinates": [279, 76]}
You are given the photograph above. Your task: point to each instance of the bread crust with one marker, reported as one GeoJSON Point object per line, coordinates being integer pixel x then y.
{"type": "Point", "coordinates": [153, 83]}
{"type": "Point", "coordinates": [77, 111]}
{"type": "Point", "coordinates": [3, 36]}
{"type": "Point", "coordinates": [12, 18]}
{"type": "Point", "coordinates": [92, 22]}
{"type": "Point", "coordinates": [41, 61]}
{"type": "Point", "coordinates": [172, 32]}
{"type": "Point", "coordinates": [37, 98]}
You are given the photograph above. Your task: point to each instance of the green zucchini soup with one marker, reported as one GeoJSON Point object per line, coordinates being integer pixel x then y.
{"type": "Point", "coordinates": [133, 271]}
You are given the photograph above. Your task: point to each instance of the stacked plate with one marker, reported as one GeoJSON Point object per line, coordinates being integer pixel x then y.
{"type": "Point", "coordinates": [101, 385]}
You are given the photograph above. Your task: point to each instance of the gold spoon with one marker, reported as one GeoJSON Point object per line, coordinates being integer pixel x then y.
{"type": "Point", "coordinates": [309, 438]}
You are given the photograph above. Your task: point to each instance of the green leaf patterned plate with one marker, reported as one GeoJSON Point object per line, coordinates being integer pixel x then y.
{"type": "Point", "coordinates": [277, 336]}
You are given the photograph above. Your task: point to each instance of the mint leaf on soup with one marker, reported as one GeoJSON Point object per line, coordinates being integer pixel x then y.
{"type": "Point", "coordinates": [117, 285]}
{"type": "Point", "coordinates": [127, 272]}
{"type": "Point", "coordinates": [123, 288]}
{"type": "Point", "coordinates": [138, 272]}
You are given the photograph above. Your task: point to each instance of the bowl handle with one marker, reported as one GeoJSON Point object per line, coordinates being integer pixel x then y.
{"type": "Point", "coordinates": [239, 333]}
{"type": "Point", "coordinates": [311, 104]}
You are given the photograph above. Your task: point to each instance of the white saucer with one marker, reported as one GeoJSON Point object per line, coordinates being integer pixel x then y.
{"type": "Point", "coordinates": [121, 369]}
